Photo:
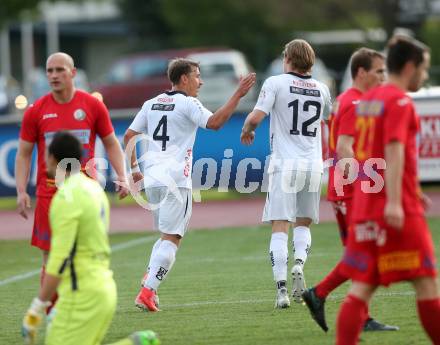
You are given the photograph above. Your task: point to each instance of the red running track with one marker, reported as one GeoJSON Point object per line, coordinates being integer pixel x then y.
{"type": "Point", "coordinates": [206, 215]}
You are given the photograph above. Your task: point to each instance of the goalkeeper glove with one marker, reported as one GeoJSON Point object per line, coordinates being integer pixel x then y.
{"type": "Point", "coordinates": [33, 319]}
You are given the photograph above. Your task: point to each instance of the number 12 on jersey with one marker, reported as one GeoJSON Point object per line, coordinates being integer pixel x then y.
{"type": "Point", "coordinates": [162, 127]}
{"type": "Point", "coordinates": [306, 108]}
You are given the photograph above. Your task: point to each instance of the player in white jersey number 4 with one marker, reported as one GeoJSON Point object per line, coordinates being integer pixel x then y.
{"type": "Point", "coordinates": [297, 105]}
{"type": "Point", "coordinates": [170, 122]}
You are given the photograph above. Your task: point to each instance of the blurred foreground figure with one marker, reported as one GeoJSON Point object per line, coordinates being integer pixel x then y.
{"type": "Point", "coordinates": [79, 259]}
{"type": "Point", "coordinates": [368, 71]}
{"type": "Point", "coordinates": [390, 240]}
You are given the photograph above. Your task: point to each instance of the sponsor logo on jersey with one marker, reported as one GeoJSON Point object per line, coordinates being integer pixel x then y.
{"type": "Point", "coordinates": [163, 107]}
{"type": "Point", "coordinates": [370, 108]}
{"type": "Point", "coordinates": [49, 116]}
{"type": "Point", "coordinates": [79, 114]}
{"type": "Point", "coordinates": [165, 99]}
{"type": "Point", "coordinates": [83, 135]}
{"type": "Point", "coordinates": [305, 92]}
{"type": "Point", "coordinates": [302, 83]}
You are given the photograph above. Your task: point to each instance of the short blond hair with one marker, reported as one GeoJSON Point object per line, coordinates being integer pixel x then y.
{"type": "Point", "coordinates": [300, 54]}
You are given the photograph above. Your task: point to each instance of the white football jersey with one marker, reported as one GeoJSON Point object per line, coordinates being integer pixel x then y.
{"type": "Point", "coordinates": [297, 105]}
{"type": "Point", "coordinates": [170, 122]}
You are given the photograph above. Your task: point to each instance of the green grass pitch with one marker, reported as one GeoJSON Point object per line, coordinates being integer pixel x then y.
{"type": "Point", "coordinates": [220, 291]}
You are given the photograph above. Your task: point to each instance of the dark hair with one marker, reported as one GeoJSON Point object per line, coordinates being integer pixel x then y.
{"type": "Point", "coordinates": [65, 145]}
{"type": "Point", "coordinates": [363, 58]}
{"type": "Point", "coordinates": [403, 49]}
{"type": "Point", "coordinates": [178, 67]}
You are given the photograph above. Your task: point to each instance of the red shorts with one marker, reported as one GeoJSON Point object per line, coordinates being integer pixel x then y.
{"type": "Point", "coordinates": [377, 254]}
{"type": "Point", "coordinates": [41, 231]}
{"type": "Point", "coordinates": [342, 209]}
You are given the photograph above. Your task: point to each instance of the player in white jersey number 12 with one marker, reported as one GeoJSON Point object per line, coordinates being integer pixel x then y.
{"type": "Point", "coordinates": [170, 122]}
{"type": "Point", "coordinates": [297, 104]}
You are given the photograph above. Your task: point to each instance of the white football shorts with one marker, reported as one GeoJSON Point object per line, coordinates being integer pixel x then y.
{"type": "Point", "coordinates": [171, 211]}
{"type": "Point", "coordinates": [293, 194]}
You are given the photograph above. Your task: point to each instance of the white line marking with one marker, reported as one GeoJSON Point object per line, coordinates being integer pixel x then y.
{"type": "Point", "coordinates": [255, 301]}
{"type": "Point", "coordinates": [19, 277]}
{"type": "Point", "coordinates": [116, 248]}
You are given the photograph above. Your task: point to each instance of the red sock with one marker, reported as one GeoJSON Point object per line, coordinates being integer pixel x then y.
{"type": "Point", "coordinates": [330, 282]}
{"type": "Point", "coordinates": [55, 297]}
{"type": "Point", "coordinates": [351, 318]}
{"type": "Point", "coordinates": [429, 314]}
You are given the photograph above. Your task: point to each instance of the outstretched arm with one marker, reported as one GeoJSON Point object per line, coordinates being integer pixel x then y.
{"type": "Point", "coordinates": [222, 115]}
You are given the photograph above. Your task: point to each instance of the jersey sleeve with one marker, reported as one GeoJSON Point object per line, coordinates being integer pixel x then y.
{"type": "Point", "coordinates": [29, 126]}
{"type": "Point", "coordinates": [140, 122]}
{"type": "Point", "coordinates": [198, 113]}
{"type": "Point", "coordinates": [327, 103]}
{"type": "Point", "coordinates": [347, 119]}
{"type": "Point", "coordinates": [266, 98]}
{"type": "Point", "coordinates": [104, 125]}
{"type": "Point", "coordinates": [64, 216]}
{"type": "Point", "coordinates": [397, 120]}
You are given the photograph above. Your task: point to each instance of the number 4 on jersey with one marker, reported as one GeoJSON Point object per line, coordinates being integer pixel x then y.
{"type": "Point", "coordinates": [163, 137]}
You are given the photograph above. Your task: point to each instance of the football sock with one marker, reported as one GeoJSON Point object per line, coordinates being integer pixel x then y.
{"type": "Point", "coordinates": [302, 240]}
{"type": "Point", "coordinates": [331, 281]}
{"type": "Point", "coordinates": [278, 253]}
{"type": "Point", "coordinates": [161, 263]}
{"type": "Point", "coordinates": [351, 319]}
{"type": "Point", "coordinates": [153, 251]}
{"type": "Point", "coordinates": [281, 284]}
{"type": "Point", "coordinates": [429, 313]}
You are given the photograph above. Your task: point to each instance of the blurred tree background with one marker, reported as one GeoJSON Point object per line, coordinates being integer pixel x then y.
{"type": "Point", "coordinates": [260, 28]}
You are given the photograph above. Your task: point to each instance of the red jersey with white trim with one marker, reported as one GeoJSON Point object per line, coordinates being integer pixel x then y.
{"type": "Point", "coordinates": [385, 114]}
{"type": "Point", "coordinates": [342, 121]}
{"type": "Point", "coordinates": [84, 116]}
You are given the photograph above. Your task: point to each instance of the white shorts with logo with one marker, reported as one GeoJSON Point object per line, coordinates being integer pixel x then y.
{"type": "Point", "coordinates": [171, 211]}
{"type": "Point", "coordinates": [293, 194]}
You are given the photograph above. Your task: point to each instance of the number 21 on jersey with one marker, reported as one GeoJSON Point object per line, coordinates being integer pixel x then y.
{"type": "Point", "coordinates": [364, 137]}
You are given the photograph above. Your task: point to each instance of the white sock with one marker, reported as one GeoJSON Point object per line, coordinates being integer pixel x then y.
{"type": "Point", "coordinates": [161, 263]}
{"type": "Point", "coordinates": [278, 253]}
{"type": "Point", "coordinates": [302, 241]}
{"type": "Point", "coordinates": [153, 252]}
